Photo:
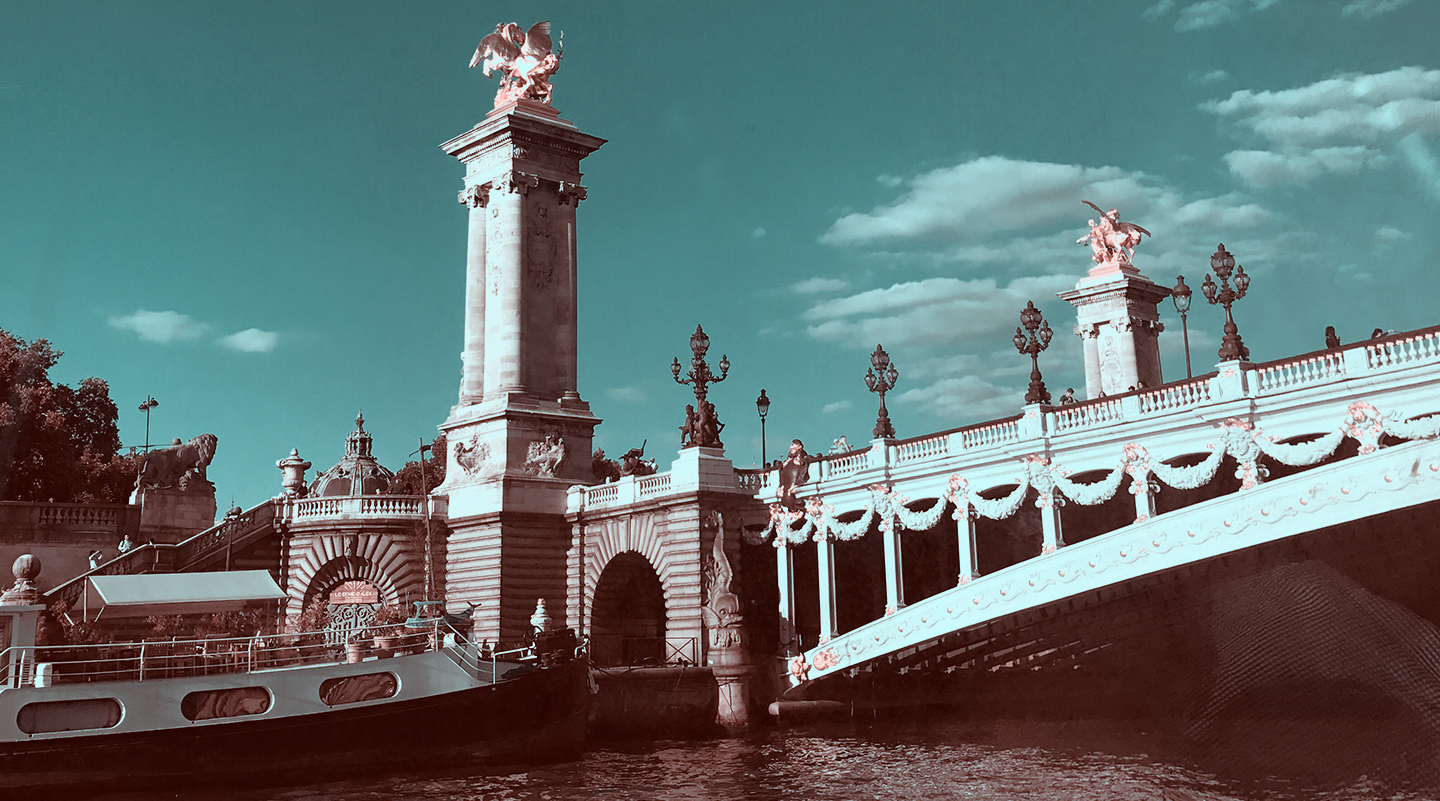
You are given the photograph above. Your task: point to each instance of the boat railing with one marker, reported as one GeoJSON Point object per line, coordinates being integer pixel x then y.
{"type": "Point", "coordinates": [171, 658]}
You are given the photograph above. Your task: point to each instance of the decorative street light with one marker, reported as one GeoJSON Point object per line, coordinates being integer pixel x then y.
{"type": "Point", "coordinates": [702, 427]}
{"type": "Point", "coordinates": [1181, 295]}
{"type": "Point", "coordinates": [762, 405]}
{"type": "Point", "coordinates": [145, 407]}
{"type": "Point", "coordinates": [1035, 339]}
{"type": "Point", "coordinates": [881, 378]}
{"type": "Point", "coordinates": [1231, 348]}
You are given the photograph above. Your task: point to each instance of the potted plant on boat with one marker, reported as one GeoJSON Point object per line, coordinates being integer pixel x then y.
{"type": "Point", "coordinates": [388, 628]}
{"type": "Point", "coordinates": [356, 647]}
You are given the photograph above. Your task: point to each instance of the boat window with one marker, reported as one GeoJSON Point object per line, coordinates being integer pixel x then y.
{"type": "Point", "coordinates": [354, 689]}
{"type": "Point", "coordinates": [88, 713]}
{"type": "Point", "coordinates": [228, 703]}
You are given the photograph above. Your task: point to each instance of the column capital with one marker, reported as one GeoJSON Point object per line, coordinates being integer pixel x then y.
{"type": "Point", "coordinates": [571, 194]}
{"type": "Point", "coordinates": [519, 182]}
{"type": "Point", "coordinates": [476, 196]}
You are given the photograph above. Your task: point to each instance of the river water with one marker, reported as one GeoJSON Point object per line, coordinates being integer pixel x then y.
{"type": "Point", "coordinates": [920, 758]}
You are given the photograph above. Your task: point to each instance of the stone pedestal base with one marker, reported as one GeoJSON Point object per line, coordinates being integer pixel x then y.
{"type": "Point", "coordinates": [170, 515]}
{"type": "Point", "coordinates": [732, 677]}
{"type": "Point", "coordinates": [1118, 323]}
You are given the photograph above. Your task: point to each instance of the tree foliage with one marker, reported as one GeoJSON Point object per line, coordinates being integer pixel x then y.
{"type": "Point", "coordinates": [407, 479]}
{"type": "Point", "coordinates": [57, 443]}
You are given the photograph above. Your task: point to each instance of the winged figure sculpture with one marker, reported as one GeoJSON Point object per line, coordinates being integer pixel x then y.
{"type": "Point", "coordinates": [524, 60]}
{"type": "Point", "coordinates": [1111, 241]}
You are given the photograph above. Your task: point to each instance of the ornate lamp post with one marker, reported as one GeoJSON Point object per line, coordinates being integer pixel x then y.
{"type": "Point", "coordinates": [1181, 296]}
{"type": "Point", "coordinates": [702, 427]}
{"type": "Point", "coordinates": [1035, 339]}
{"type": "Point", "coordinates": [145, 407]}
{"type": "Point", "coordinates": [881, 378]}
{"type": "Point", "coordinates": [1231, 348]}
{"type": "Point", "coordinates": [762, 405]}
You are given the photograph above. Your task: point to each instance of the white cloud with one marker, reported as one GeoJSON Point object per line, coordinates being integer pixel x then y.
{"type": "Point", "coordinates": [1026, 215]}
{"type": "Point", "coordinates": [1213, 76]}
{"type": "Point", "coordinates": [630, 394]}
{"type": "Point", "coordinates": [757, 233]}
{"type": "Point", "coordinates": [819, 286]}
{"type": "Point", "coordinates": [966, 398]}
{"type": "Point", "coordinates": [837, 406]}
{"type": "Point", "coordinates": [1264, 168]}
{"type": "Point", "coordinates": [251, 340]}
{"type": "Point", "coordinates": [161, 326]}
{"type": "Point", "coordinates": [1207, 13]}
{"type": "Point", "coordinates": [1340, 124]}
{"type": "Point", "coordinates": [1373, 8]}
{"type": "Point", "coordinates": [1387, 236]}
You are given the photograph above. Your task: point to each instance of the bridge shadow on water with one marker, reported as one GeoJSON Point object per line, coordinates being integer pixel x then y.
{"type": "Point", "coordinates": [1274, 670]}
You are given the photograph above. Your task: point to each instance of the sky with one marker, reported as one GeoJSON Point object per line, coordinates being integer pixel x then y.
{"type": "Point", "coordinates": [241, 210]}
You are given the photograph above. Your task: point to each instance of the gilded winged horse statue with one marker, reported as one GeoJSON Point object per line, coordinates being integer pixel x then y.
{"type": "Point", "coordinates": [524, 60]}
{"type": "Point", "coordinates": [1111, 241]}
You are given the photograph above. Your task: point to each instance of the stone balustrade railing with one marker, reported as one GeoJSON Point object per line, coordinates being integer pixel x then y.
{"type": "Point", "coordinates": [103, 517]}
{"type": "Point", "coordinates": [359, 506]}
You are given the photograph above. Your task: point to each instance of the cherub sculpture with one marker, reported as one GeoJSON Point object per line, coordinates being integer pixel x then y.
{"type": "Point", "coordinates": [524, 60]}
{"type": "Point", "coordinates": [1111, 241]}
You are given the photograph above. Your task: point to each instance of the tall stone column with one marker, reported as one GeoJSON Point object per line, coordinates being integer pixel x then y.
{"type": "Point", "coordinates": [894, 570]}
{"type": "Point", "coordinates": [475, 197]}
{"type": "Point", "coordinates": [520, 435]}
{"type": "Point", "coordinates": [825, 565]}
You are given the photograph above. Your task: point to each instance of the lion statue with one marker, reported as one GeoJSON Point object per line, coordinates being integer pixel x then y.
{"type": "Point", "coordinates": [179, 465]}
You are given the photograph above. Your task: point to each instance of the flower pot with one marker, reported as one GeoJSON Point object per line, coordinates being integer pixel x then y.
{"type": "Point", "coordinates": [355, 652]}
{"type": "Point", "coordinates": [385, 645]}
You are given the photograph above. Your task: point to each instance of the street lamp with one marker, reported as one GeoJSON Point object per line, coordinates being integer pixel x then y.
{"type": "Point", "coordinates": [702, 427]}
{"type": "Point", "coordinates": [145, 407]}
{"type": "Point", "coordinates": [880, 378]}
{"type": "Point", "coordinates": [1181, 295]}
{"type": "Point", "coordinates": [1231, 348]}
{"type": "Point", "coordinates": [762, 405]}
{"type": "Point", "coordinates": [1035, 339]}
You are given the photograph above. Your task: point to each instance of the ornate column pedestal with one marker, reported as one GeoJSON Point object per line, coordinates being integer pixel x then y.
{"type": "Point", "coordinates": [1118, 319]}
{"type": "Point", "coordinates": [520, 434]}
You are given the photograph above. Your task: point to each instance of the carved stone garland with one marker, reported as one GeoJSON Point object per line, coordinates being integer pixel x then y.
{"type": "Point", "coordinates": [1238, 438]}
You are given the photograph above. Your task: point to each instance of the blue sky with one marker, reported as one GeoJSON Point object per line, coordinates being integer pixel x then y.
{"type": "Point", "coordinates": [240, 208]}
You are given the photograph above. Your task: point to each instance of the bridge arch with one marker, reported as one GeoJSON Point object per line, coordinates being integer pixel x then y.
{"type": "Point", "coordinates": [628, 613]}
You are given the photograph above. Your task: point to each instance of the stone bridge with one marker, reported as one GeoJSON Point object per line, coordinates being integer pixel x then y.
{"type": "Point", "coordinates": [928, 550]}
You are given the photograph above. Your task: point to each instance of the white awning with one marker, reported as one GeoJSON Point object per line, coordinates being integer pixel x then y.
{"type": "Point", "coordinates": [178, 593]}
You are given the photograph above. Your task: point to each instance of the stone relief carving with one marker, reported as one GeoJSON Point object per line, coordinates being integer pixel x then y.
{"type": "Point", "coordinates": [179, 465]}
{"type": "Point", "coordinates": [545, 457]}
{"type": "Point", "coordinates": [543, 249]}
{"type": "Point", "coordinates": [471, 455]}
{"type": "Point", "coordinates": [722, 607]}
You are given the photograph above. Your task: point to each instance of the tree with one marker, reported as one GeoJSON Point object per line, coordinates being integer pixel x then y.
{"type": "Point", "coordinates": [57, 443]}
{"type": "Point", "coordinates": [407, 480]}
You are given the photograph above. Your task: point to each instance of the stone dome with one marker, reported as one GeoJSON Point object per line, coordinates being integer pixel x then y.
{"type": "Point", "coordinates": [357, 473]}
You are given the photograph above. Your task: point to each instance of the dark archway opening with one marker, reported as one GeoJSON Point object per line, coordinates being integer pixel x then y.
{"type": "Point", "coordinates": [627, 623]}
{"type": "Point", "coordinates": [1002, 543]}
